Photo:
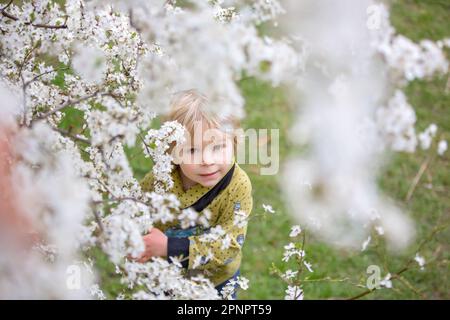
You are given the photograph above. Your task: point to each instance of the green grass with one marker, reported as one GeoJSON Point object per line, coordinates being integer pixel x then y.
{"type": "Point", "coordinates": [266, 108]}
{"type": "Point", "coordinates": [419, 19]}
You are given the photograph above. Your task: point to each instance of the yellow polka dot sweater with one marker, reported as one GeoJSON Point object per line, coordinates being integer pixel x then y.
{"type": "Point", "coordinates": [231, 194]}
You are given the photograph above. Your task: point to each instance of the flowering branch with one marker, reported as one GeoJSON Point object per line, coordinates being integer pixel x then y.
{"type": "Point", "coordinates": [37, 25]}
{"type": "Point", "coordinates": [65, 105]}
{"type": "Point", "coordinates": [72, 136]}
{"type": "Point", "coordinates": [26, 84]}
{"type": "Point", "coordinates": [407, 265]}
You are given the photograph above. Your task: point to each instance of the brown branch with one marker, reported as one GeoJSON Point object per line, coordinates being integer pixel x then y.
{"type": "Point", "coordinates": [411, 287]}
{"type": "Point", "coordinates": [99, 221]}
{"type": "Point", "coordinates": [6, 7]}
{"type": "Point", "coordinates": [43, 74]}
{"type": "Point", "coordinates": [393, 277]}
{"type": "Point", "coordinates": [36, 25]}
{"type": "Point", "coordinates": [416, 180]}
{"type": "Point", "coordinates": [27, 56]}
{"type": "Point", "coordinates": [65, 105]}
{"type": "Point", "coordinates": [147, 147]}
{"type": "Point", "coordinates": [132, 23]}
{"type": "Point", "coordinates": [406, 267]}
{"type": "Point", "coordinates": [117, 199]}
{"type": "Point", "coordinates": [72, 136]}
{"type": "Point", "coordinates": [365, 293]}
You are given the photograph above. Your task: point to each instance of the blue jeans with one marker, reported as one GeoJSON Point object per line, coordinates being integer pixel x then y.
{"type": "Point", "coordinates": [223, 284]}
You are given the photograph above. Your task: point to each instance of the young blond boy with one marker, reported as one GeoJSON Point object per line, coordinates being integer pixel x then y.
{"type": "Point", "coordinates": [207, 177]}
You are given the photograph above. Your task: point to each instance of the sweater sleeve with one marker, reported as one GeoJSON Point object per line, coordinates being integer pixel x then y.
{"type": "Point", "coordinates": [214, 254]}
{"type": "Point", "coordinates": [176, 247]}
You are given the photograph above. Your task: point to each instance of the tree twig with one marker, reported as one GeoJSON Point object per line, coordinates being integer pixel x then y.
{"type": "Point", "coordinates": [6, 7]}
{"type": "Point", "coordinates": [72, 136]}
{"type": "Point", "coordinates": [36, 25]}
{"type": "Point", "coordinates": [43, 74]}
{"type": "Point", "coordinates": [406, 267]}
{"type": "Point", "coordinates": [65, 105]}
{"type": "Point", "coordinates": [416, 179]}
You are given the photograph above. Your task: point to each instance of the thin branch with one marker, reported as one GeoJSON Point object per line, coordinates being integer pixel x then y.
{"type": "Point", "coordinates": [411, 287]}
{"type": "Point", "coordinates": [43, 74]}
{"type": "Point", "coordinates": [300, 260]}
{"type": "Point", "coordinates": [365, 293]}
{"type": "Point", "coordinates": [36, 25]}
{"type": "Point", "coordinates": [65, 105]}
{"type": "Point", "coordinates": [120, 199]}
{"type": "Point", "coordinates": [116, 98]}
{"type": "Point", "coordinates": [27, 56]}
{"type": "Point", "coordinates": [328, 279]}
{"type": "Point", "coordinates": [6, 7]}
{"type": "Point", "coordinates": [416, 180]}
{"type": "Point", "coordinates": [72, 136]}
{"type": "Point", "coordinates": [116, 199]}
{"type": "Point", "coordinates": [99, 221]}
{"type": "Point", "coordinates": [406, 267]}
{"type": "Point", "coordinates": [132, 23]}
{"type": "Point", "coordinates": [145, 144]}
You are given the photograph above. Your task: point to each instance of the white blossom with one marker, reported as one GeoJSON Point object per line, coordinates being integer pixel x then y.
{"type": "Point", "coordinates": [349, 105]}
{"type": "Point", "coordinates": [379, 230]}
{"type": "Point", "coordinates": [268, 208]}
{"type": "Point", "coordinates": [232, 286]}
{"type": "Point", "coordinates": [420, 261]}
{"type": "Point", "coordinates": [295, 231]}
{"type": "Point", "coordinates": [409, 59]}
{"type": "Point", "coordinates": [240, 218]}
{"type": "Point", "coordinates": [289, 274]}
{"type": "Point", "coordinates": [96, 292]}
{"type": "Point", "coordinates": [291, 250]}
{"type": "Point", "coordinates": [201, 260]}
{"type": "Point", "coordinates": [89, 62]}
{"type": "Point", "coordinates": [294, 293]}
{"type": "Point", "coordinates": [122, 238]}
{"type": "Point", "coordinates": [188, 218]}
{"type": "Point", "coordinates": [442, 147]}
{"type": "Point", "coordinates": [155, 145]}
{"type": "Point", "coordinates": [396, 121]}
{"type": "Point", "coordinates": [386, 281]}
{"type": "Point", "coordinates": [115, 65]}
{"type": "Point", "coordinates": [162, 280]}
{"type": "Point", "coordinates": [426, 137]}
{"type": "Point", "coordinates": [366, 243]}
{"type": "Point", "coordinates": [226, 242]}
{"type": "Point", "coordinates": [308, 266]}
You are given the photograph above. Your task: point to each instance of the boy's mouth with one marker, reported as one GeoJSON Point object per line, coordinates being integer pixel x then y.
{"type": "Point", "coordinates": [208, 174]}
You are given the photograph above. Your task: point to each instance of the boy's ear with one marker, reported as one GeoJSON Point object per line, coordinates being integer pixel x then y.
{"type": "Point", "coordinates": [176, 151]}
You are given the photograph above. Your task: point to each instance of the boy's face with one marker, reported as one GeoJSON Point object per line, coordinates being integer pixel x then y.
{"type": "Point", "coordinates": [207, 157]}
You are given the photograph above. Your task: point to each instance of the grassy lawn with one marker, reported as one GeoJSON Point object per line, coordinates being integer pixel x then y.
{"type": "Point", "coordinates": [266, 237]}
{"type": "Point", "coordinates": [267, 107]}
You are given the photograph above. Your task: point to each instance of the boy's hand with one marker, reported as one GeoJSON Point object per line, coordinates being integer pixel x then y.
{"type": "Point", "coordinates": [155, 245]}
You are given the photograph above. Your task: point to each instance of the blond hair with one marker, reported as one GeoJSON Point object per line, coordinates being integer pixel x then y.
{"type": "Point", "coordinates": [188, 107]}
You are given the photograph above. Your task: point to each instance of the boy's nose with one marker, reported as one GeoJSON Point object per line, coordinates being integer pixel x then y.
{"type": "Point", "coordinates": [207, 158]}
